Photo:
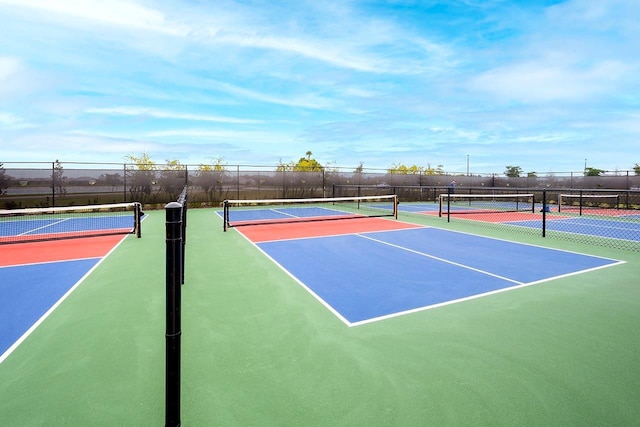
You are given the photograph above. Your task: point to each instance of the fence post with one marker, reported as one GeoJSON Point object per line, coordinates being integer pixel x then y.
{"type": "Point", "coordinates": [53, 184]}
{"type": "Point", "coordinates": [174, 249]}
{"type": "Point", "coordinates": [124, 188]}
{"type": "Point", "coordinates": [544, 213]}
{"type": "Point", "coordinates": [238, 181]}
{"type": "Point", "coordinates": [449, 192]}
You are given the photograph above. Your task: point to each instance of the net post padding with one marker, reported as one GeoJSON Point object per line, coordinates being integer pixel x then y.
{"type": "Point", "coordinates": [225, 215]}
{"type": "Point", "coordinates": [395, 207]}
{"type": "Point", "coordinates": [174, 255]}
{"type": "Point", "coordinates": [138, 219]}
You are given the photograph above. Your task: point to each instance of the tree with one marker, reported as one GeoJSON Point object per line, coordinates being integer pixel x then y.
{"type": "Point", "coordinates": [429, 170]}
{"type": "Point", "coordinates": [210, 177]}
{"type": "Point", "coordinates": [301, 182]}
{"type": "Point", "coordinates": [307, 164]}
{"type": "Point", "coordinates": [593, 172]}
{"type": "Point", "coordinates": [58, 179]}
{"type": "Point", "coordinates": [513, 171]}
{"type": "Point", "coordinates": [359, 168]}
{"type": "Point", "coordinates": [532, 174]}
{"type": "Point", "coordinates": [636, 169]}
{"type": "Point", "coordinates": [402, 169]}
{"type": "Point", "coordinates": [142, 176]}
{"type": "Point", "coordinates": [173, 178]}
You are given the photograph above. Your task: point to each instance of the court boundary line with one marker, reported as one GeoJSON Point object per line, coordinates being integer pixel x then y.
{"type": "Point", "coordinates": [332, 235]}
{"type": "Point", "coordinates": [439, 259]}
{"type": "Point", "coordinates": [298, 281]}
{"type": "Point", "coordinates": [484, 294]}
{"type": "Point", "coordinates": [49, 262]}
{"type": "Point", "coordinates": [55, 305]}
{"type": "Point", "coordinates": [412, 224]}
{"type": "Point", "coordinates": [572, 222]}
{"type": "Point", "coordinates": [517, 284]}
{"type": "Point", "coordinates": [527, 244]}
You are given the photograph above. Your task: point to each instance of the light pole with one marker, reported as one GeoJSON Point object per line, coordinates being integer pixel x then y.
{"type": "Point", "coordinates": [467, 165]}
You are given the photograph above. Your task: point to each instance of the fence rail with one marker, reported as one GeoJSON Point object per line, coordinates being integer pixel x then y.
{"type": "Point", "coordinates": [602, 210]}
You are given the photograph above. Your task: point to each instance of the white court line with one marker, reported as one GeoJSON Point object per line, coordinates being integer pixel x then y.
{"type": "Point", "coordinates": [42, 318]}
{"type": "Point", "coordinates": [516, 284]}
{"type": "Point", "coordinates": [43, 227]}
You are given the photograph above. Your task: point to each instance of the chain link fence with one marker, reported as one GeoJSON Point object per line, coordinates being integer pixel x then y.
{"type": "Point", "coordinates": [601, 210]}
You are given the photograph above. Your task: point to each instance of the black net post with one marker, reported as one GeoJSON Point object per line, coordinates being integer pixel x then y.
{"type": "Point", "coordinates": [449, 193]}
{"type": "Point", "coordinates": [580, 204]}
{"type": "Point", "coordinates": [225, 215]}
{"type": "Point", "coordinates": [138, 219]}
{"type": "Point", "coordinates": [173, 303]}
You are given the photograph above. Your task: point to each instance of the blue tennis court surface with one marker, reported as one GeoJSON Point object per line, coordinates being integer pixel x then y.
{"type": "Point", "coordinates": [418, 207]}
{"type": "Point", "coordinates": [613, 229]}
{"type": "Point", "coordinates": [375, 275]}
{"type": "Point", "coordinates": [27, 292]}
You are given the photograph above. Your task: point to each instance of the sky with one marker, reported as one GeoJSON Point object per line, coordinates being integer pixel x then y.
{"type": "Point", "coordinates": [467, 85]}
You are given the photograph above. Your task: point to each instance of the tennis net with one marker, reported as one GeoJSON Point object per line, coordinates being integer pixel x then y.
{"type": "Point", "coordinates": [590, 202]}
{"type": "Point", "coordinates": [252, 212]}
{"type": "Point", "coordinates": [485, 203]}
{"type": "Point", "coordinates": [38, 224]}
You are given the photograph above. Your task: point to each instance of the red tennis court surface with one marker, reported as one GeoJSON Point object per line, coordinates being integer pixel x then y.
{"type": "Point", "coordinates": [57, 250]}
{"type": "Point", "coordinates": [262, 233]}
{"type": "Point", "coordinates": [504, 216]}
{"type": "Point", "coordinates": [600, 211]}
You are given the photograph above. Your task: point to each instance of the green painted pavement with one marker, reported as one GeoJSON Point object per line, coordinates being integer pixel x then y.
{"type": "Point", "coordinates": [258, 349]}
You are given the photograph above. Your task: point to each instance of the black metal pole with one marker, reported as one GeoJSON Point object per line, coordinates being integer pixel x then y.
{"type": "Point", "coordinates": [449, 204]}
{"type": "Point", "coordinates": [53, 184]}
{"type": "Point", "coordinates": [138, 220]}
{"type": "Point", "coordinates": [544, 213]}
{"type": "Point", "coordinates": [184, 233]}
{"type": "Point", "coordinates": [225, 215]}
{"type": "Point", "coordinates": [173, 303]}
{"type": "Point", "coordinates": [124, 185]}
{"type": "Point", "coordinates": [580, 203]}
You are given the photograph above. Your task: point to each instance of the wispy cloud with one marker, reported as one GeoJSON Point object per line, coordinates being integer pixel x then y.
{"type": "Point", "coordinates": [8, 67]}
{"type": "Point", "coordinates": [231, 136]}
{"type": "Point", "coordinates": [10, 121]}
{"type": "Point", "coordinates": [549, 81]}
{"type": "Point", "coordinates": [162, 114]}
{"type": "Point", "coordinates": [121, 13]}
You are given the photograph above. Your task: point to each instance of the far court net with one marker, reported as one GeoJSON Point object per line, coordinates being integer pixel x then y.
{"type": "Point", "coordinates": [40, 224]}
{"type": "Point", "coordinates": [577, 203]}
{"type": "Point", "coordinates": [455, 203]}
{"type": "Point", "coordinates": [270, 211]}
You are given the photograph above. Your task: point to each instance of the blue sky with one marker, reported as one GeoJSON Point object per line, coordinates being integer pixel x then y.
{"type": "Point", "coordinates": [538, 84]}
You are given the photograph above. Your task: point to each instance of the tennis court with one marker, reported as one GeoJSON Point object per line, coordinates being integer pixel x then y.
{"type": "Point", "coordinates": [362, 321]}
{"type": "Point", "coordinates": [609, 223]}
{"type": "Point", "coordinates": [424, 267]}
{"type": "Point", "coordinates": [36, 275]}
